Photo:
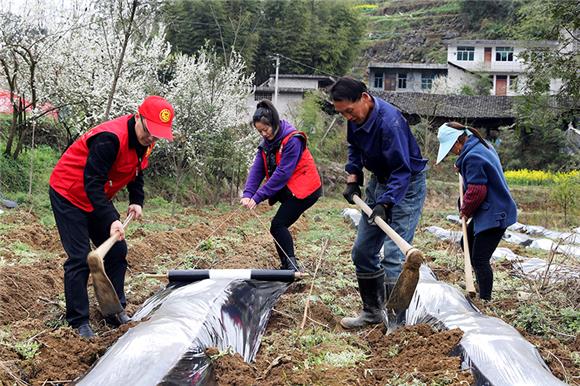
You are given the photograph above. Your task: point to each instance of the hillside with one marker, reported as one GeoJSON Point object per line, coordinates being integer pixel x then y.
{"type": "Point", "coordinates": [415, 30]}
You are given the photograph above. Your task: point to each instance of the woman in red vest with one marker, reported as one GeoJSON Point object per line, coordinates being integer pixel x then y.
{"type": "Point", "coordinates": [291, 177]}
{"type": "Point", "coordinates": [86, 178]}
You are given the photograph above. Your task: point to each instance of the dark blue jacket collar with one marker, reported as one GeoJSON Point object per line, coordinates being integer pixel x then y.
{"type": "Point", "coordinates": [471, 142]}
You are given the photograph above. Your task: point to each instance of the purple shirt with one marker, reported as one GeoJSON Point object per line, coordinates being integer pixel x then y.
{"type": "Point", "coordinates": [290, 156]}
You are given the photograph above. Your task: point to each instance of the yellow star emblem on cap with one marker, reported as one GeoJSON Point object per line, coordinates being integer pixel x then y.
{"type": "Point", "coordinates": [165, 115]}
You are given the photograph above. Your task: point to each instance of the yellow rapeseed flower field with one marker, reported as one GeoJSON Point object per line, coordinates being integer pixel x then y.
{"type": "Point", "coordinates": [538, 177]}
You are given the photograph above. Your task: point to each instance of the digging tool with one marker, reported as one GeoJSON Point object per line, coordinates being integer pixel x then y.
{"type": "Point", "coordinates": [402, 293]}
{"type": "Point", "coordinates": [105, 292]}
{"type": "Point", "coordinates": [192, 275]}
{"type": "Point", "coordinates": [467, 271]}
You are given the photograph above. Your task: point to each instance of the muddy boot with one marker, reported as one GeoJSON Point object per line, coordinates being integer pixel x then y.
{"type": "Point", "coordinates": [85, 331]}
{"type": "Point", "coordinates": [371, 287]}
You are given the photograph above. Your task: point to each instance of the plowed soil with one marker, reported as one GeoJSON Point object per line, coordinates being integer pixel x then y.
{"type": "Point", "coordinates": [37, 348]}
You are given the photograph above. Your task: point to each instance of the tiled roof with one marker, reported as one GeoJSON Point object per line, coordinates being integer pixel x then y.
{"type": "Point", "coordinates": [450, 106]}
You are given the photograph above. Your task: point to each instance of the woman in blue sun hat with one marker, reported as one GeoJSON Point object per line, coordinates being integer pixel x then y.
{"type": "Point", "coordinates": [487, 200]}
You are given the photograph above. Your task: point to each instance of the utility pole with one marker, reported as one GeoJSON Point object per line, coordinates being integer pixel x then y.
{"type": "Point", "coordinates": [276, 81]}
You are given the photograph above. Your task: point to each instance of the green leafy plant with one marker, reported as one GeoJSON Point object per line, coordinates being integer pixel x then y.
{"type": "Point", "coordinates": [575, 356]}
{"type": "Point", "coordinates": [570, 319]}
{"type": "Point", "coordinates": [27, 349]}
{"type": "Point", "coordinates": [532, 318]}
{"type": "Point", "coordinates": [394, 350]}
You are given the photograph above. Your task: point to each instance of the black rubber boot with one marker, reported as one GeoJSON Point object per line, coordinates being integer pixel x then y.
{"type": "Point", "coordinates": [118, 319]}
{"type": "Point", "coordinates": [371, 287]}
{"type": "Point", "coordinates": [85, 331]}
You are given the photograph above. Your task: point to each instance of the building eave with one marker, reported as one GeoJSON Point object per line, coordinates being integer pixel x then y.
{"type": "Point", "coordinates": [503, 43]}
{"type": "Point", "coordinates": [411, 66]}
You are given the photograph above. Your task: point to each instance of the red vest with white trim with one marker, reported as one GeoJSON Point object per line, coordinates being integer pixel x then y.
{"type": "Point", "coordinates": [67, 178]}
{"type": "Point", "coordinates": [305, 179]}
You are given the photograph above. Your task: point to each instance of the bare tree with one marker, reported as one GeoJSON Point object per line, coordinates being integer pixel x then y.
{"type": "Point", "coordinates": [127, 28]}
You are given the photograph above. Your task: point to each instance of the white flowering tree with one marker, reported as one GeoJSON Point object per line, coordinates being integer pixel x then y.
{"type": "Point", "coordinates": [103, 66]}
{"type": "Point", "coordinates": [212, 135]}
{"type": "Point", "coordinates": [25, 40]}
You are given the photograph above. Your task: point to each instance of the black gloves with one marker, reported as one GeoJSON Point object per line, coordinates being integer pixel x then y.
{"type": "Point", "coordinates": [383, 211]}
{"type": "Point", "coordinates": [351, 189]}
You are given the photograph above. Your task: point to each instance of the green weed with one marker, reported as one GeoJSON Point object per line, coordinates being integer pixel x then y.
{"type": "Point", "coordinates": [394, 350]}
{"type": "Point", "coordinates": [341, 359]}
{"type": "Point", "coordinates": [532, 318]}
{"type": "Point", "coordinates": [27, 349]}
{"type": "Point", "coordinates": [570, 320]}
{"type": "Point", "coordinates": [575, 356]}
{"type": "Point", "coordinates": [405, 380]}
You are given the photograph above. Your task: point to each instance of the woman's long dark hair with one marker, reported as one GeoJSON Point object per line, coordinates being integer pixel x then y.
{"type": "Point", "coordinates": [459, 126]}
{"type": "Point", "coordinates": [267, 114]}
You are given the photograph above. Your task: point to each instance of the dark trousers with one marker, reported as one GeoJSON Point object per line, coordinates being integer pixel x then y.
{"type": "Point", "coordinates": [481, 247]}
{"type": "Point", "coordinates": [290, 210]}
{"type": "Point", "coordinates": [76, 227]}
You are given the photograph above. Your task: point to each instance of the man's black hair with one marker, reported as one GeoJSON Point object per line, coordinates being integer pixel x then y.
{"type": "Point", "coordinates": [267, 113]}
{"type": "Point", "coordinates": [347, 89]}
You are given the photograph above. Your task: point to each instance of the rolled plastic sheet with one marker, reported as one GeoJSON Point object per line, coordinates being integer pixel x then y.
{"type": "Point", "coordinates": [352, 215]}
{"type": "Point", "coordinates": [191, 275]}
{"type": "Point", "coordinates": [567, 237]}
{"type": "Point", "coordinates": [444, 234]}
{"type": "Point", "coordinates": [564, 240]}
{"type": "Point", "coordinates": [533, 268]}
{"type": "Point", "coordinates": [495, 352]}
{"type": "Point", "coordinates": [179, 323]}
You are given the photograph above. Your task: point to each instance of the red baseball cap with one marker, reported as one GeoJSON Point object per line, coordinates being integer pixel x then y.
{"type": "Point", "coordinates": [159, 116]}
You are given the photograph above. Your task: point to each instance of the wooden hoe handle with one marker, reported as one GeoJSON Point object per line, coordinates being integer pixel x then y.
{"type": "Point", "coordinates": [107, 244]}
{"type": "Point", "coordinates": [468, 272]}
{"type": "Point", "coordinates": [403, 245]}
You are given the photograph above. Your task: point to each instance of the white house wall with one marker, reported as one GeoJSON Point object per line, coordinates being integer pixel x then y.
{"type": "Point", "coordinates": [457, 78]}
{"type": "Point", "coordinates": [294, 83]}
{"type": "Point", "coordinates": [287, 105]}
{"type": "Point", "coordinates": [478, 62]}
{"type": "Point", "coordinates": [414, 78]}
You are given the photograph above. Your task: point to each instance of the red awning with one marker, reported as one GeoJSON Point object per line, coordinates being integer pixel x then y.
{"type": "Point", "coordinates": [7, 108]}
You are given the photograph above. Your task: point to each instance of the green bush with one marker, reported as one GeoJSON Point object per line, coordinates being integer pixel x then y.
{"type": "Point", "coordinates": [15, 174]}
{"type": "Point", "coordinates": [566, 194]}
{"type": "Point", "coordinates": [466, 90]}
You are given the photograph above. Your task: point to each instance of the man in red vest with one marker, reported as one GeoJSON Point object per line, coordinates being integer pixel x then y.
{"type": "Point", "coordinates": [93, 169]}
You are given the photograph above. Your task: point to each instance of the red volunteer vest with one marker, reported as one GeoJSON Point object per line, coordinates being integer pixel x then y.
{"type": "Point", "coordinates": [305, 179]}
{"type": "Point", "coordinates": [67, 177]}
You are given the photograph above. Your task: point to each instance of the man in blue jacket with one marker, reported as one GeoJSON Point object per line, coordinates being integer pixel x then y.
{"type": "Point", "coordinates": [380, 140]}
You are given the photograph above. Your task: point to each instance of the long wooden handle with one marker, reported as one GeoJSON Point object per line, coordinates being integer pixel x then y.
{"type": "Point", "coordinates": [107, 244]}
{"type": "Point", "coordinates": [403, 245]}
{"type": "Point", "coordinates": [468, 272]}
